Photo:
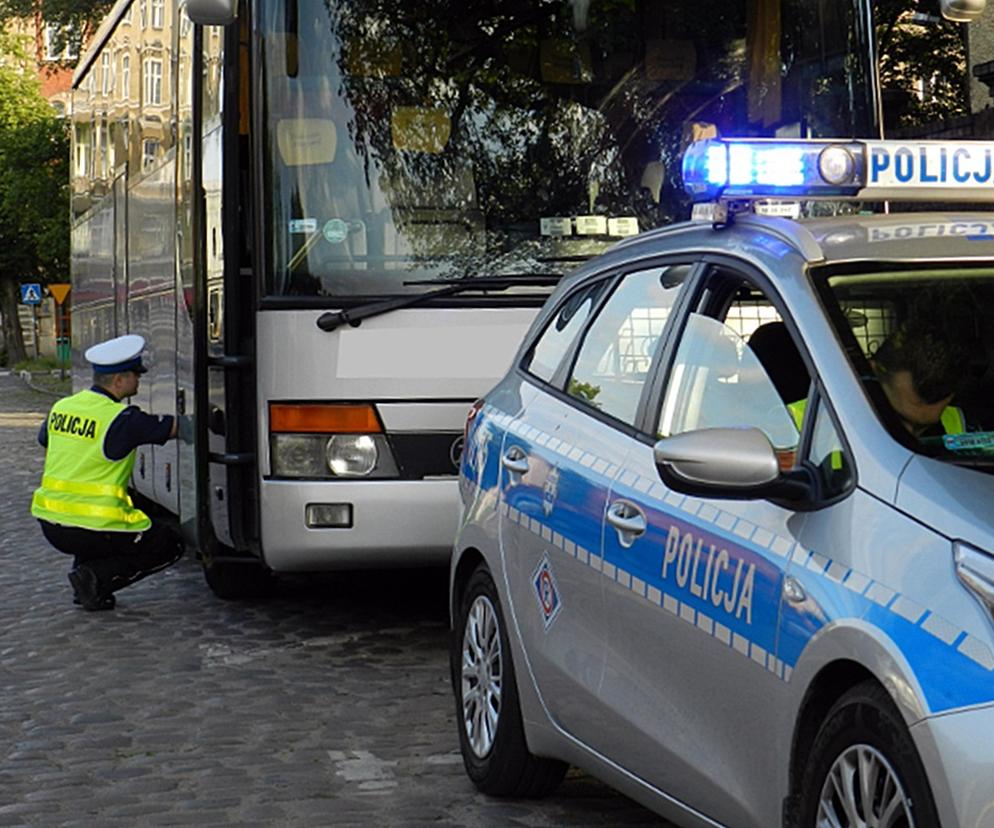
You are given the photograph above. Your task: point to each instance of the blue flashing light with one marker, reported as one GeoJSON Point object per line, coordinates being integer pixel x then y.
{"type": "Point", "coordinates": [717, 168]}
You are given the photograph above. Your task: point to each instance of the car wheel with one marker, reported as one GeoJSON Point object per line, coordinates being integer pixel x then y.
{"type": "Point", "coordinates": [491, 734]}
{"type": "Point", "coordinates": [863, 769]}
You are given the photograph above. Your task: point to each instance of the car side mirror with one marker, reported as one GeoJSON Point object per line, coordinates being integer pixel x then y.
{"type": "Point", "coordinates": [212, 12]}
{"type": "Point", "coordinates": [728, 463]}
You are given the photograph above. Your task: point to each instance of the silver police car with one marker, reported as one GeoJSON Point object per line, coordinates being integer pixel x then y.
{"type": "Point", "coordinates": [728, 522]}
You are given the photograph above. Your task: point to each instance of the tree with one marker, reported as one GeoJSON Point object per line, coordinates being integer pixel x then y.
{"type": "Point", "coordinates": [34, 191]}
{"type": "Point", "coordinates": [922, 63]}
{"type": "Point", "coordinates": [70, 20]}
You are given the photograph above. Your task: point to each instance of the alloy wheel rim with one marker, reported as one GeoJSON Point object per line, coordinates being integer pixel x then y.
{"type": "Point", "coordinates": [482, 676]}
{"type": "Point", "coordinates": [862, 790]}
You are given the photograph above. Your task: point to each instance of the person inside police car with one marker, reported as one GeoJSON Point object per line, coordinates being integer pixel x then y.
{"type": "Point", "coordinates": [83, 504]}
{"type": "Point", "coordinates": [918, 367]}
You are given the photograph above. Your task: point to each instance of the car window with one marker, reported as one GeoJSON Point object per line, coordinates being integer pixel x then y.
{"type": "Point", "coordinates": [611, 367]}
{"type": "Point", "coordinates": [561, 331]}
{"type": "Point", "coordinates": [718, 382]}
{"type": "Point", "coordinates": [827, 457]}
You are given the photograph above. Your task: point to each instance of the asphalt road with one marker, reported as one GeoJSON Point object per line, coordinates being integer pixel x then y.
{"type": "Point", "coordinates": [327, 705]}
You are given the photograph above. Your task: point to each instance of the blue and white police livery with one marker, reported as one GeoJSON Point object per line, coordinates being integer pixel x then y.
{"type": "Point", "coordinates": [726, 538]}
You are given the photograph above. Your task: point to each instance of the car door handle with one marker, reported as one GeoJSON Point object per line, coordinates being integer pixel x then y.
{"type": "Point", "coordinates": [628, 519]}
{"type": "Point", "coordinates": [515, 460]}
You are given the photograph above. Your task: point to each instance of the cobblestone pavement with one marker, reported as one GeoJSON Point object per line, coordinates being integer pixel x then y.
{"type": "Point", "coordinates": [328, 705]}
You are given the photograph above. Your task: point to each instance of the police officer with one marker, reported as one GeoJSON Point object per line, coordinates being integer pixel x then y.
{"type": "Point", "coordinates": [919, 366]}
{"type": "Point", "coordinates": [83, 504]}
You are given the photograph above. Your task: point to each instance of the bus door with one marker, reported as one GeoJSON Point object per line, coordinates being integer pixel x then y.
{"type": "Point", "coordinates": [228, 320]}
{"type": "Point", "coordinates": [187, 65]}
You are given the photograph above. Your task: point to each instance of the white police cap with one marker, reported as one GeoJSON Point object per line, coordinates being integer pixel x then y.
{"type": "Point", "coordinates": [123, 353]}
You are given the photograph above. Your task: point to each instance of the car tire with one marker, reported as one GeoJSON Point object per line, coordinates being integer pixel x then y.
{"type": "Point", "coordinates": [864, 731]}
{"type": "Point", "coordinates": [488, 712]}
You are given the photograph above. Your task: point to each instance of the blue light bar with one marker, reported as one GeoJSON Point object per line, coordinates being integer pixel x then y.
{"type": "Point", "coordinates": [729, 169]}
{"type": "Point", "coordinates": [718, 168]}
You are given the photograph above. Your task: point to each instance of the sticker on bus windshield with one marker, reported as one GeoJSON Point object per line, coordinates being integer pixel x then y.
{"type": "Point", "coordinates": [556, 226]}
{"type": "Point", "coordinates": [335, 231]}
{"type": "Point", "coordinates": [623, 226]}
{"type": "Point", "coordinates": [305, 225]}
{"type": "Point", "coordinates": [591, 225]}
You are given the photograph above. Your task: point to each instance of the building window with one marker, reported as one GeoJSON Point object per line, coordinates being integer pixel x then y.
{"type": "Point", "coordinates": [106, 74]}
{"type": "Point", "coordinates": [153, 81]}
{"type": "Point", "coordinates": [52, 50]}
{"type": "Point", "coordinates": [143, 13]}
{"type": "Point", "coordinates": [157, 13]}
{"type": "Point", "coordinates": [150, 152]}
{"type": "Point", "coordinates": [126, 77]}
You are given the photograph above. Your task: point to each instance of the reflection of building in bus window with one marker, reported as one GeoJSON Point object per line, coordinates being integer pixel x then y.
{"type": "Point", "coordinates": [321, 185]}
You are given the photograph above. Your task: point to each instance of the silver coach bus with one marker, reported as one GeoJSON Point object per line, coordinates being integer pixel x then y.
{"type": "Point", "coordinates": [333, 220]}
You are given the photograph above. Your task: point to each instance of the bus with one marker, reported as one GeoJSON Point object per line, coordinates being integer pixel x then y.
{"type": "Point", "coordinates": [333, 220]}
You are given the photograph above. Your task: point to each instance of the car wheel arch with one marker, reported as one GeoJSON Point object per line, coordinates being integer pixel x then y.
{"type": "Point", "coordinates": [839, 657]}
{"type": "Point", "coordinates": [828, 686]}
{"type": "Point", "coordinates": [467, 562]}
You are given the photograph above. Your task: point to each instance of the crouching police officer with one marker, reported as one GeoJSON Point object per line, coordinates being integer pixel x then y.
{"type": "Point", "coordinates": [83, 504]}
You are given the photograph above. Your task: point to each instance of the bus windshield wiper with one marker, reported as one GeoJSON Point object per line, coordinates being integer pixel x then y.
{"type": "Point", "coordinates": [335, 319]}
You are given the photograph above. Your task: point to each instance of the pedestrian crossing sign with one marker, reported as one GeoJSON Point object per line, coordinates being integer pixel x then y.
{"type": "Point", "coordinates": [31, 293]}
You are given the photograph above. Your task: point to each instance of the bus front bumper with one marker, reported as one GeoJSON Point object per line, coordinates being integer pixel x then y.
{"type": "Point", "coordinates": [394, 523]}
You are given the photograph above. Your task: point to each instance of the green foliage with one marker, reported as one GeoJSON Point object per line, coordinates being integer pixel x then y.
{"type": "Point", "coordinates": [585, 391]}
{"type": "Point", "coordinates": [922, 63]}
{"type": "Point", "coordinates": [71, 19]}
{"type": "Point", "coordinates": [34, 187]}
{"type": "Point", "coordinates": [40, 365]}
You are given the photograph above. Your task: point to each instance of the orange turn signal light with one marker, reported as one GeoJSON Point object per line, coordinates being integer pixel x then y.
{"type": "Point", "coordinates": [287, 418]}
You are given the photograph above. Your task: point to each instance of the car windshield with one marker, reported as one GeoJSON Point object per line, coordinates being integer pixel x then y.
{"type": "Point", "coordinates": [412, 141]}
{"type": "Point", "coordinates": [921, 341]}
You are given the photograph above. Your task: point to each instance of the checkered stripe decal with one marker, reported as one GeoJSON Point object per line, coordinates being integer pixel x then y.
{"type": "Point", "coordinates": [884, 596]}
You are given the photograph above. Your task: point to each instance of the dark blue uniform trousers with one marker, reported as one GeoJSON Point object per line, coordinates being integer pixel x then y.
{"type": "Point", "coordinates": [116, 558]}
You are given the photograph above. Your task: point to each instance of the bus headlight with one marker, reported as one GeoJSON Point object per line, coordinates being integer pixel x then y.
{"type": "Point", "coordinates": [353, 455]}
{"type": "Point", "coordinates": [298, 455]}
{"type": "Point", "coordinates": [337, 455]}
{"type": "Point", "coordinates": [315, 440]}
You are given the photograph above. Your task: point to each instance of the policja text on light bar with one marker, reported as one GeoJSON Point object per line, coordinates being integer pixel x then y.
{"type": "Point", "coordinates": [725, 169]}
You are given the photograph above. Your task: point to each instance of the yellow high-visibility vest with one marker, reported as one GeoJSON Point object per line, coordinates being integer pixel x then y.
{"type": "Point", "coordinates": [80, 485]}
{"type": "Point", "coordinates": [952, 419]}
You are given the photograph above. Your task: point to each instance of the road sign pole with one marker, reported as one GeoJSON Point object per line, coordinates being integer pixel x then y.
{"type": "Point", "coordinates": [59, 292]}
{"type": "Point", "coordinates": [58, 341]}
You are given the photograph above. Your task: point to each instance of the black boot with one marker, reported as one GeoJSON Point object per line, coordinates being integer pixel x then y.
{"type": "Point", "coordinates": [86, 590]}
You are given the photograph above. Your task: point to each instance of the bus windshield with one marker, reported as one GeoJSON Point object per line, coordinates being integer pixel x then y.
{"type": "Point", "coordinates": [407, 142]}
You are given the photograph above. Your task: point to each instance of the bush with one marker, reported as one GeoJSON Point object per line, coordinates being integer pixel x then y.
{"type": "Point", "coordinates": [42, 365]}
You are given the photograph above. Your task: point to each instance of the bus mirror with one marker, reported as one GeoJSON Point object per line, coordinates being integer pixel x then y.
{"type": "Point", "coordinates": [304, 141]}
{"type": "Point", "coordinates": [962, 11]}
{"type": "Point", "coordinates": [420, 129]}
{"type": "Point", "coordinates": [211, 12]}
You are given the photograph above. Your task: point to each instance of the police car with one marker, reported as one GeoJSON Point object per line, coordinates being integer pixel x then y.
{"type": "Point", "coordinates": [728, 522]}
